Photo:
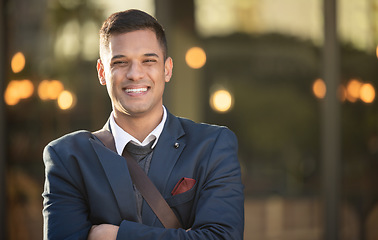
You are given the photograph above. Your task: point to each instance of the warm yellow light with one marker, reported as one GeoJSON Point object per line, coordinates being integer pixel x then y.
{"type": "Point", "coordinates": [54, 89]}
{"type": "Point", "coordinates": [353, 90]}
{"type": "Point", "coordinates": [42, 90]}
{"type": "Point", "coordinates": [17, 90]}
{"type": "Point", "coordinates": [65, 100]}
{"type": "Point", "coordinates": [26, 89]}
{"type": "Point", "coordinates": [11, 93]}
{"type": "Point", "coordinates": [195, 57]}
{"type": "Point", "coordinates": [18, 62]}
{"type": "Point", "coordinates": [221, 101]}
{"type": "Point", "coordinates": [376, 51]}
{"type": "Point", "coordinates": [319, 88]}
{"type": "Point", "coordinates": [367, 93]}
{"type": "Point", "coordinates": [50, 90]}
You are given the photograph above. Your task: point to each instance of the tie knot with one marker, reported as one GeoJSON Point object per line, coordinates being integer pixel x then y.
{"type": "Point", "coordinates": [138, 152]}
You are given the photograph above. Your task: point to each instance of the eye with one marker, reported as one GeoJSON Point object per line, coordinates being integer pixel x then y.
{"type": "Point", "coordinates": [119, 62]}
{"type": "Point", "coordinates": [149, 61]}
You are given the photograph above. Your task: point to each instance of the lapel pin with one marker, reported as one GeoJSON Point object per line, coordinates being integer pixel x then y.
{"type": "Point", "coordinates": [177, 145]}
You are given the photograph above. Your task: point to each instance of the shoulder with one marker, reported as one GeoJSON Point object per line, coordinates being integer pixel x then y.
{"type": "Point", "coordinates": [70, 150]}
{"type": "Point", "coordinates": [205, 130]}
{"type": "Point", "coordinates": [71, 138]}
{"type": "Point", "coordinates": [188, 124]}
{"type": "Point", "coordinates": [69, 142]}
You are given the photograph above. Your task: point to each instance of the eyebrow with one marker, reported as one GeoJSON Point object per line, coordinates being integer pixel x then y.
{"type": "Point", "coordinates": [151, 55]}
{"type": "Point", "coordinates": [117, 56]}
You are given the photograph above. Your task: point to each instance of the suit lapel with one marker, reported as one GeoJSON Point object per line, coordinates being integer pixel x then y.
{"type": "Point", "coordinates": [116, 171]}
{"type": "Point", "coordinates": [167, 151]}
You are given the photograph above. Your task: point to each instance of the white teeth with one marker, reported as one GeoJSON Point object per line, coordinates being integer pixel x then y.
{"type": "Point", "coordinates": [135, 90]}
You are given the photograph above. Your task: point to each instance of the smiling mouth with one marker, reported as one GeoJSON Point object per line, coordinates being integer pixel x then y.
{"type": "Point", "coordinates": [136, 90]}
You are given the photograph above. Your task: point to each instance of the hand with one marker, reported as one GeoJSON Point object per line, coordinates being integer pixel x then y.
{"type": "Point", "coordinates": [103, 232]}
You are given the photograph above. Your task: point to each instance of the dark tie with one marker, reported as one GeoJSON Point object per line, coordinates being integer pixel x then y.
{"type": "Point", "coordinates": [143, 155]}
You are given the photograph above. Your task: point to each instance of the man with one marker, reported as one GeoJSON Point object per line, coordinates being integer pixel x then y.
{"type": "Point", "coordinates": [88, 190]}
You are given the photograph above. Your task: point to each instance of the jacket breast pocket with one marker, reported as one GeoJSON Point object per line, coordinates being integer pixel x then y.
{"type": "Point", "coordinates": [182, 205]}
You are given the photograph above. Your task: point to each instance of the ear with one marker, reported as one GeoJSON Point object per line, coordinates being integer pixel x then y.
{"type": "Point", "coordinates": [168, 69]}
{"type": "Point", "coordinates": [101, 72]}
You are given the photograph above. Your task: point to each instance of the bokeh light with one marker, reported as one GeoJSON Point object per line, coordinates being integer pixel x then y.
{"type": "Point", "coordinates": [353, 90]}
{"type": "Point", "coordinates": [195, 57]}
{"type": "Point", "coordinates": [66, 100]}
{"type": "Point", "coordinates": [319, 88]}
{"type": "Point", "coordinates": [17, 90]}
{"type": "Point", "coordinates": [26, 89]}
{"type": "Point", "coordinates": [221, 101]}
{"type": "Point", "coordinates": [89, 48]}
{"type": "Point", "coordinates": [367, 93]}
{"type": "Point", "coordinates": [18, 62]}
{"type": "Point", "coordinates": [50, 90]}
{"type": "Point", "coordinates": [42, 90]}
{"type": "Point", "coordinates": [55, 89]}
{"type": "Point", "coordinates": [68, 40]}
{"type": "Point", "coordinates": [11, 93]}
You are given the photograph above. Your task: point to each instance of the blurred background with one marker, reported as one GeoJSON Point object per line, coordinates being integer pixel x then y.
{"type": "Point", "coordinates": [260, 67]}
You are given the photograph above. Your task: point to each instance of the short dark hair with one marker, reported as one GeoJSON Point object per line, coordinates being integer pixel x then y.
{"type": "Point", "coordinates": [129, 21]}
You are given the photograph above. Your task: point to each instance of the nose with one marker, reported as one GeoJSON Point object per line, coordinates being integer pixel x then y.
{"type": "Point", "coordinates": [135, 72]}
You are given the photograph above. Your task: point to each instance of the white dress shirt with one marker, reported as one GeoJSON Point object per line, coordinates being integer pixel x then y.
{"type": "Point", "coordinates": [121, 137]}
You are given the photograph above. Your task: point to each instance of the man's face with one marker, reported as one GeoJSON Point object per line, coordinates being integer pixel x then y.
{"type": "Point", "coordinates": [135, 73]}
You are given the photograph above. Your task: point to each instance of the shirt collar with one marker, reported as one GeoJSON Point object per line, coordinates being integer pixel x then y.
{"type": "Point", "coordinates": [121, 137]}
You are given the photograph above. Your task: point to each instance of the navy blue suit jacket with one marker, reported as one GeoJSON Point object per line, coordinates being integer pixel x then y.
{"type": "Point", "coordinates": [88, 184]}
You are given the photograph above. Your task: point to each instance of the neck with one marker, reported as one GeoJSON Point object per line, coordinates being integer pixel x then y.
{"type": "Point", "coordinates": [138, 126]}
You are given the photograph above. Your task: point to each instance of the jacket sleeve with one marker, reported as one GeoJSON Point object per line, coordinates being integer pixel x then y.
{"type": "Point", "coordinates": [65, 213]}
{"type": "Point", "coordinates": [220, 209]}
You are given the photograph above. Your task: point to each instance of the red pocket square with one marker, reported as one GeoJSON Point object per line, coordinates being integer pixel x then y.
{"type": "Point", "coordinates": [183, 185]}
